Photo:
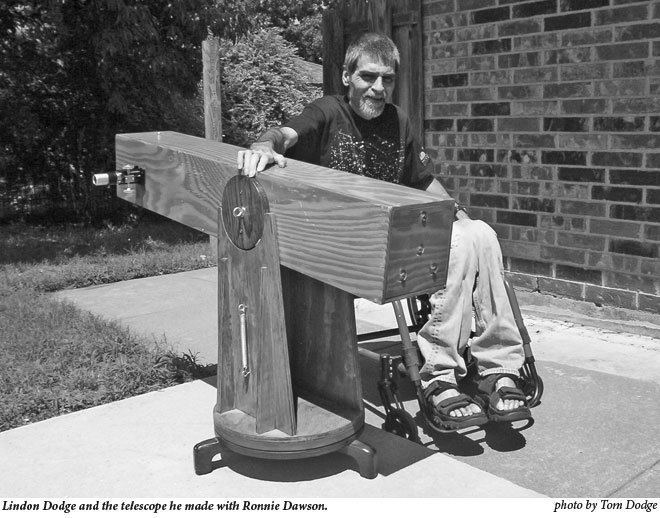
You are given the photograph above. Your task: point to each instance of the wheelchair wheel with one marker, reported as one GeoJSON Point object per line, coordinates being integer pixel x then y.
{"type": "Point", "coordinates": [401, 423]}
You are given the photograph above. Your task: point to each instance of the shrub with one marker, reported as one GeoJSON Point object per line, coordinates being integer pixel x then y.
{"type": "Point", "coordinates": [262, 85]}
{"type": "Point", "coordinates": [74, 74]}
{"type": "Point", "coordinates": [307, 36]}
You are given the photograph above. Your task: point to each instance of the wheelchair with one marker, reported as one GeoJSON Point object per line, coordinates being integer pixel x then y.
{"type": "Point", "coordinates": [407, 364]}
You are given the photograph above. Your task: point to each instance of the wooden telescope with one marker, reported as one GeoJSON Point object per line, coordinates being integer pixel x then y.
{"type": "Point", "coordinates": [295, 248]}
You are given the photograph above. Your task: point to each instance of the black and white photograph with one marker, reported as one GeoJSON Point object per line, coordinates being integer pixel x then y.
{"type": "Point", "coordinates": [329, 256]}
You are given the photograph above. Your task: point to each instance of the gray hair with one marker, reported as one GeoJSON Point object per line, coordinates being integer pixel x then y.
{"type": "Point", "coordinates": [376, 46]}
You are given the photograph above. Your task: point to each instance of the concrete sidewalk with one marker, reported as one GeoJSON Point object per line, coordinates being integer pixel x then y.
{"type": "Point", "coordinates": [596, 431]}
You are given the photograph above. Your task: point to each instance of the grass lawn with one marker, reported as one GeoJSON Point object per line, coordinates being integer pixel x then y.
{"type": "Point", "coordinates": [57, 359]}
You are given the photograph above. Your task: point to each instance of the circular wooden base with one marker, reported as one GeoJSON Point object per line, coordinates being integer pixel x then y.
{"type": "Point", "coordinates": [318, 431]}
{"type": "Point", "coordinates": [364, 455]}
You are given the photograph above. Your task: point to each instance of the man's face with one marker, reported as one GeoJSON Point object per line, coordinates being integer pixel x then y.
{"type": "Point", "coordinates": [369, 87]}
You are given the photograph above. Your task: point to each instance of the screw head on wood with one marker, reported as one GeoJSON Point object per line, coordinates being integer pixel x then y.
{"type": "Point", "coordinates": [423, 218]}
{"type": "Point", "coordinates": [244, 208]}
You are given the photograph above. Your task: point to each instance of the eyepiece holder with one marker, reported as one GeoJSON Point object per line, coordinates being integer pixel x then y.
{"type": "Point", "coordinates": [129, 174]}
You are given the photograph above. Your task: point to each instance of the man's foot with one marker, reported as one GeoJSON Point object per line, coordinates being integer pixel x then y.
{"type": "Point", "coordinates": [467, 410]}
{"type": "Point", "coordinates": [502, 398]}
{"type": "Point", "coordinates": [505, 403]}
{"type": "Point", "coordinates": [449, 409]}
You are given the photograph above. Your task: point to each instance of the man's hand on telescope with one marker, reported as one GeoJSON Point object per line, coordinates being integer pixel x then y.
{"type": "Point", "coordinates": [268, 149]}
{"type": "Point", "coordinates": [254, 160]}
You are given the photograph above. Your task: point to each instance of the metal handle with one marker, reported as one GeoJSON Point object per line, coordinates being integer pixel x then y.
{"type": "Point", "coordinates": [242, 309]}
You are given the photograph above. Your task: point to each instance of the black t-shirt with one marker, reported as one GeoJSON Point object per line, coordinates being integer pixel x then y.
{"type": "Point", "coordinates": [331, 134]}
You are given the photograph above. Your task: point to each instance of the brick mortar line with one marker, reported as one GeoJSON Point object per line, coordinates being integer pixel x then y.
{"type": "Point", "coordinates": [557, 13]}
{"type": "Point", "coordinates": [583, 288]}
{"type": "Point", "coordinates": [564, 263]}
{"type": "Point", "coordinates": [496, 53]}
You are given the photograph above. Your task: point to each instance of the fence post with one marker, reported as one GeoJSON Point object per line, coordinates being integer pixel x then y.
{"type": "Point", "coordinates": [212, 103]}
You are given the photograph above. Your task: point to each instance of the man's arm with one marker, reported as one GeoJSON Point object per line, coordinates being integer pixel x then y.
{"type": "Point", "coordinates": [435, 187]}
{"type": "Point", "coordinates": [269, 148]}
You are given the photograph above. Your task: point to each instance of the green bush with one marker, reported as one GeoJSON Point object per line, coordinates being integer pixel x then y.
{"type": "Point", "coordinates": [262, 85]}
{"type": "Point", "coordinates": [307, 35]}
{"type": "Point", "coordinates": [74, 74]}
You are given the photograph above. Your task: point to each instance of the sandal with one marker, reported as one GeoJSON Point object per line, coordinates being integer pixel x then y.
{"type": "Point", "coordinates": [489, 398]}
{"type": "Point", "coordinates": [438, 414]}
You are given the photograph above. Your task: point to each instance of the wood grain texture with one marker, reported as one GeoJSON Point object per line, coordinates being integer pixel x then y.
{"type": "Point", "coordinates": [252, 278]}
{"type": "Point", "coordinates": [333, 52]}
{"type": "Point", "coordinates": [243, 207]}
{"type": "Point", "coordinates": [227, 331]}
{"type": "Point", "coordinates": [407, 35]}
{"type": "Point", "coordinates": [366, 15]}
{"type": "Point", "coordinates": [318, 429]}
{"type": "Point", "coordinates": [331, 225]}
{"type": "Point", "coordinates": [258, 412]}
{"type": "Point", "coordinates": [320, 323]}
{"type": "Point", "coordinates": [212, 89]}
{"type": "Point", "coordinates": [417, 255]}
{"type": "Point", "coordinates": [275, 403]}
{"type": "Point", "coordinates": [212, 85]}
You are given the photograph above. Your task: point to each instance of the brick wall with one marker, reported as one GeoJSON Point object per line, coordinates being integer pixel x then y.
{"type": "Point", "coordinates": [544, 118]}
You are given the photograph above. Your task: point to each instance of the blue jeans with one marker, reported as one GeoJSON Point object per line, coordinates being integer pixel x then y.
{"type": "Point", "coordinates": [475, 281]}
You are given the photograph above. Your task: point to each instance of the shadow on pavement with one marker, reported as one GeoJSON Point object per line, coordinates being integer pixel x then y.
{"type": "Point", "coordinates": [394, 454]}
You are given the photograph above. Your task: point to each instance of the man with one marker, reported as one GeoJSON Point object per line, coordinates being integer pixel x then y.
{"type": "Point", "coordinates": [363, 133]}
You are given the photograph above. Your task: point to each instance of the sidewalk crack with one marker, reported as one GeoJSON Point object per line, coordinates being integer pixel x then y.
{"type": "Point", "coordinates": [633, 479]}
